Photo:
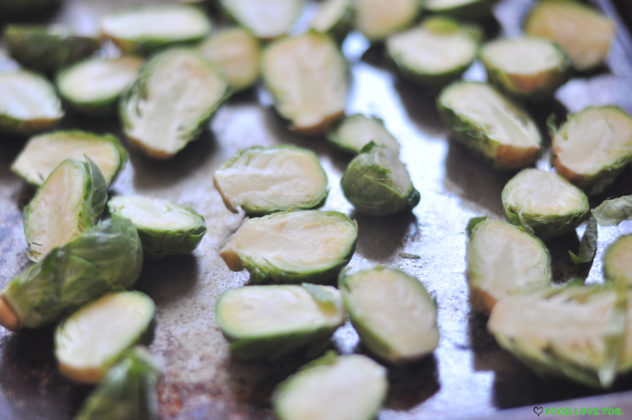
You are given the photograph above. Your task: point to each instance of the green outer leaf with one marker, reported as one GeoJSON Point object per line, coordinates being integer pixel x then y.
{"type": "Point", "coordinates": [473, 222]}
{"type": "Point", "coordinates": [588, 244]}
{"type": "Point", "coordinates": [614, 211]}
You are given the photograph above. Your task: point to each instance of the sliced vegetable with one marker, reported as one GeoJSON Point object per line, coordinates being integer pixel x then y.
{"type": "Point", "coordinates": [266, 20]}
{"type": "Point", "coordinates": [466, 9]}
{"type": "Point", "coordinates": [334, 18]}
{"type": "Point", "coordinates": [45, 152]}
{"type": "Point", "coordinates": [356, 131]}
{"type": "Point", "coordinates": [502, 260]}
{"type": "Point", "coordinates": [378, 19]}
{"type": "Point", "coordinates": [307, 76]}
{"type": "Point", "coordinates": [377, 183]}
{"type": "Point", "coordinates": [617, 260]}
{"type": "Point", "coordinates": [490, 124]}
{"type": "Point", "coordinates": [292, 247]}
{"type": "Point", "coordinates": [544, 202]}
{"type": "Point", "coordinates": [593, 146]}
{"type": "Point", "coordinates": [96, 336]}
{"type": "Point", "coordinates": [614, 211]}
{"type": "Point", "coordinates": [436, 52]}
{"type": "Point", "coordinates": [165, 228]}
{"type": "Point", "coordinates": [149, 28]}
{"type": "Point", "coordinates": [167, 107]}
{"type": "Point", "coordinates": [70, 201]}
{"type": "Point", "coordinates": [334, 388]}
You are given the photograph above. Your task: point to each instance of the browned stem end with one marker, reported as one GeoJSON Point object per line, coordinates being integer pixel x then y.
{"type": "Point", "coordinates": [8, 317]}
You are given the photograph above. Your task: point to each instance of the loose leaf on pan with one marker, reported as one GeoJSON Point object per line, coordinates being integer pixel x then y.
{"type": "Point", "coordinates": [588, 244]}
{"type": "Point", "coordinates": [472, 224]}
{"type": "Point", "coordinates": [614, 211]}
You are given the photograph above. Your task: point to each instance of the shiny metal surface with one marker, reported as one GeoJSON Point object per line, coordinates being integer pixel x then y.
{"type": "Point", "coordinates": [468, 375]}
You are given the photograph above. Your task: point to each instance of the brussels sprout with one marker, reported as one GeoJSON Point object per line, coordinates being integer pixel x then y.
{"type": "Point", "coordinates": [127, 392]}
{"type": "Point", "coordinates": [45, 152]}
{"type": "Point", "coordinates": [393, 313]}
{"type": "Point", "coordinates": [268, 322]}
{"type": "Point", "coordinates": [11, 9]}
{"type": "Point", "coordinates": [94, 86]}
{"type": "Point", "coordinates": [266, 20]}
{"type": "Point", "coordinates": [28, 103]}
{"type": "Point", "coordinates": [377, 19]}
{"type": "Point", "coordinates": [96, 336]}
{"type": "Point", "coordinates": [333, 18]}
{"type": "Point", "coordinates": [377, 183]}
{"type": "Point", "coordinates": [544, 202]}
{"type": "Point", "coordinates": [47, 49]}
{"type": "Point", "coordinates": [489, 124]}
{"type": "Point", "coordinates": [333, 387]}
{"type": "Point", "coordinates": [526, 67]}
{"type": "Point", "coordinates": [436, 52]}
{"type": "Point", "coordinates": [466, 9]}
{"type": "Point", "coordinates": [617, 260]}
{"type": "Point", "coordinates": [167, 107]}
{"type": "Point", "coordinates": [614, 211]}
{"type": "Point", "coordinates": [593, 146]}
{"type": "Point", "coordinates": [292, 247]}
{"type": "Point", "coordinates": [149, 28]}
{"type": "Point", "coordinates": [309, 96]}
{"type": "Point", "coordinates": [583, 33]}
{"type": "Point", "coordinates": [70, 201]}
{"type": "Point", "coordinates": [502, 260]}
{"type": "Point", "coordinates": [265, 180]}
{"type": "Point", "coordinates": [108, 256]}
{"type": "Point", "coordinates": [236, 53]}
{"type": "Point", "coordinates": [165, 228]}
{"type": "Point", "coordinates": [356, 131]}
{"type": "Point", "coordinates": [575, 331]}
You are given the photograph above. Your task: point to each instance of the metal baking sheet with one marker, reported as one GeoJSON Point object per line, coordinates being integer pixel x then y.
{"type": "Point", "coordinates": [467, 376]}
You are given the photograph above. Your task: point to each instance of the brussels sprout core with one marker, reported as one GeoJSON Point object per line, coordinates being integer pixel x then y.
{"type": "Point", "coordinates": [377, 19]}
{"type": "Point", "coordinates": [617, 260]}
{"type": "Point", "coordinates": [267, 20]}
{"type": "Point", "coordinates": [356, 131]}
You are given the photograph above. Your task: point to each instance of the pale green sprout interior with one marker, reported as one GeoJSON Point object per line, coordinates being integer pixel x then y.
{"type": "Point", "coordinates": [528, 56]}
{"type": "Point", "coordinates": [358, 130]}
{"type": "Point", "coordinates": [27, 97]}
{"type": "Point", "coordinates": [619, 259]}
{"type": "Point", "coordinates": [446, 4]}
{"type": "Point", "coordinates": [378, 18]}
{"type": "Point", "coordinates": [153, 213]}
{"type": "Point", "coordinates": [328, 14]}
{"type": "Point", "coordinates": [268, 19]}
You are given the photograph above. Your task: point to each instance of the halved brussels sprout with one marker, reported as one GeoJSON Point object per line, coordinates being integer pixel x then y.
{"type": "Point", "coordinates": [109, 256]}
{"type": "Point", "coordinates": [333, 387]}
{"type": "Point", "coordinates": [377, 19]}
{"type": "Point", "coordinates": [266, 20]}
{"type": "Point", "coordinates": [545, 202]}
{"type": "Point", "coordinates": [393, 313]}
{"type": "Point", "coordinates": [292, 247]}
{"type": "Point", "coordinates": [583, 33]}
{"type": "Point", "coordinates": [96, 336]}
{"type": "Point", "coordinates": [436, 52]}
{"type": "Point", "coordinates": [149, 28]}
{"type": "Point", "coordinates": [593, 146]}
{"type": "Point", "coordinates": [377, 183]}
{"type": "Point", "coordinates": [165, 228]}
{"type": "Point", "coordinates": [502, 260]}
{"type": "Point", "coordinates": [94, 86]}
{"type": "Point", "coordinates": [333, 18]}
{"type": "Point", "coordinates": [617, 260]}
{"type": "Point", "coordinates": [466, 9]}
{"type": "Point", "coordinates": [268, 322]}
{"type": "Point", "coordinates": [167, 107]}
{"type": "Point", "coordinates": [28, 103]}
{"type": "Point", "coordinates": [490, 124]}
{"type": "Point", "coordinates": [47, 49]}
{"type": "Point", "coordinates": [356, 131]}
{"type": "Point", "coordinates": [307, 75]}
{"type": "Point", "coordinates": [45, 152]}
{"type": "Point", "coordinates": [70, 201]}
{"type": "Point", "coordinates": [236, 52]}
{"type": "Point", "coordinates": [265, 180]}
{"type": "Point", "coordinates": [128, 390]}
{"type": "Point", "coordinates": [526, 67]}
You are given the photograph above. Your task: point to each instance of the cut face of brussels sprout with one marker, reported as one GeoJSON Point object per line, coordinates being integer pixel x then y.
{"type": "Point", "coordinates": [434, 53]}
{"type": "Point", "coordinates": [266, 20]}
{"type": "Point", "coordinates": [108, 256]}
{"type": "Point", "coordinates": [236, 53]}
{"type": "Point", "coordinates": [581, 31]}
{"type": "Point", "coordinates": [393, 313]}
{"type": "Point", "coordinates": [267, 322]}
{"type": "Point", "coordinates": [617, 260]}
{"type": "Point", "coordinates": [291, 247]}
{"type": "Point", "coordinates": [165, 228]}
{"type": "Point", "coordinates": [334, 18]}
{"type": "Point", "coordinates": [94, 86]}
{"type": "Point", "coordinates": [333, 388]}
{"type": "Point", "coordinates": [146, 29]}
{"type": "Point", "coordinates": [502, 260]}
{"type": "Point", "coordinates": [467, 9]}
{"type": "Point", "coordinates": [490, 124]}
{"type": "Point", "coordinates": [592, 147]}
{"type": "Point", "coordinates": [70, 201]}
{"type": "Point", "coordinates": [378, 19]}
{"type": "Point", "coordinates": [265, 180]}
{"type": "Point", "coordinates": [525, 67]}
{"type": "Point", "coordinates": [45, 152]}
{"type": "Point", "coordinates": [28, 103]}
{"type": "Point", "coordinates": [377, 183]}
{"type": "Point", "coordinates": [544, 202]}
{"type": "Point", "coordinates": [93, 338]}
{"type": "Point", "coordinates": [307, 76]}
{"type": "Point", "coordinates": [176, 93]}
{"type": "Point", "coordinates": [356, 131]}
